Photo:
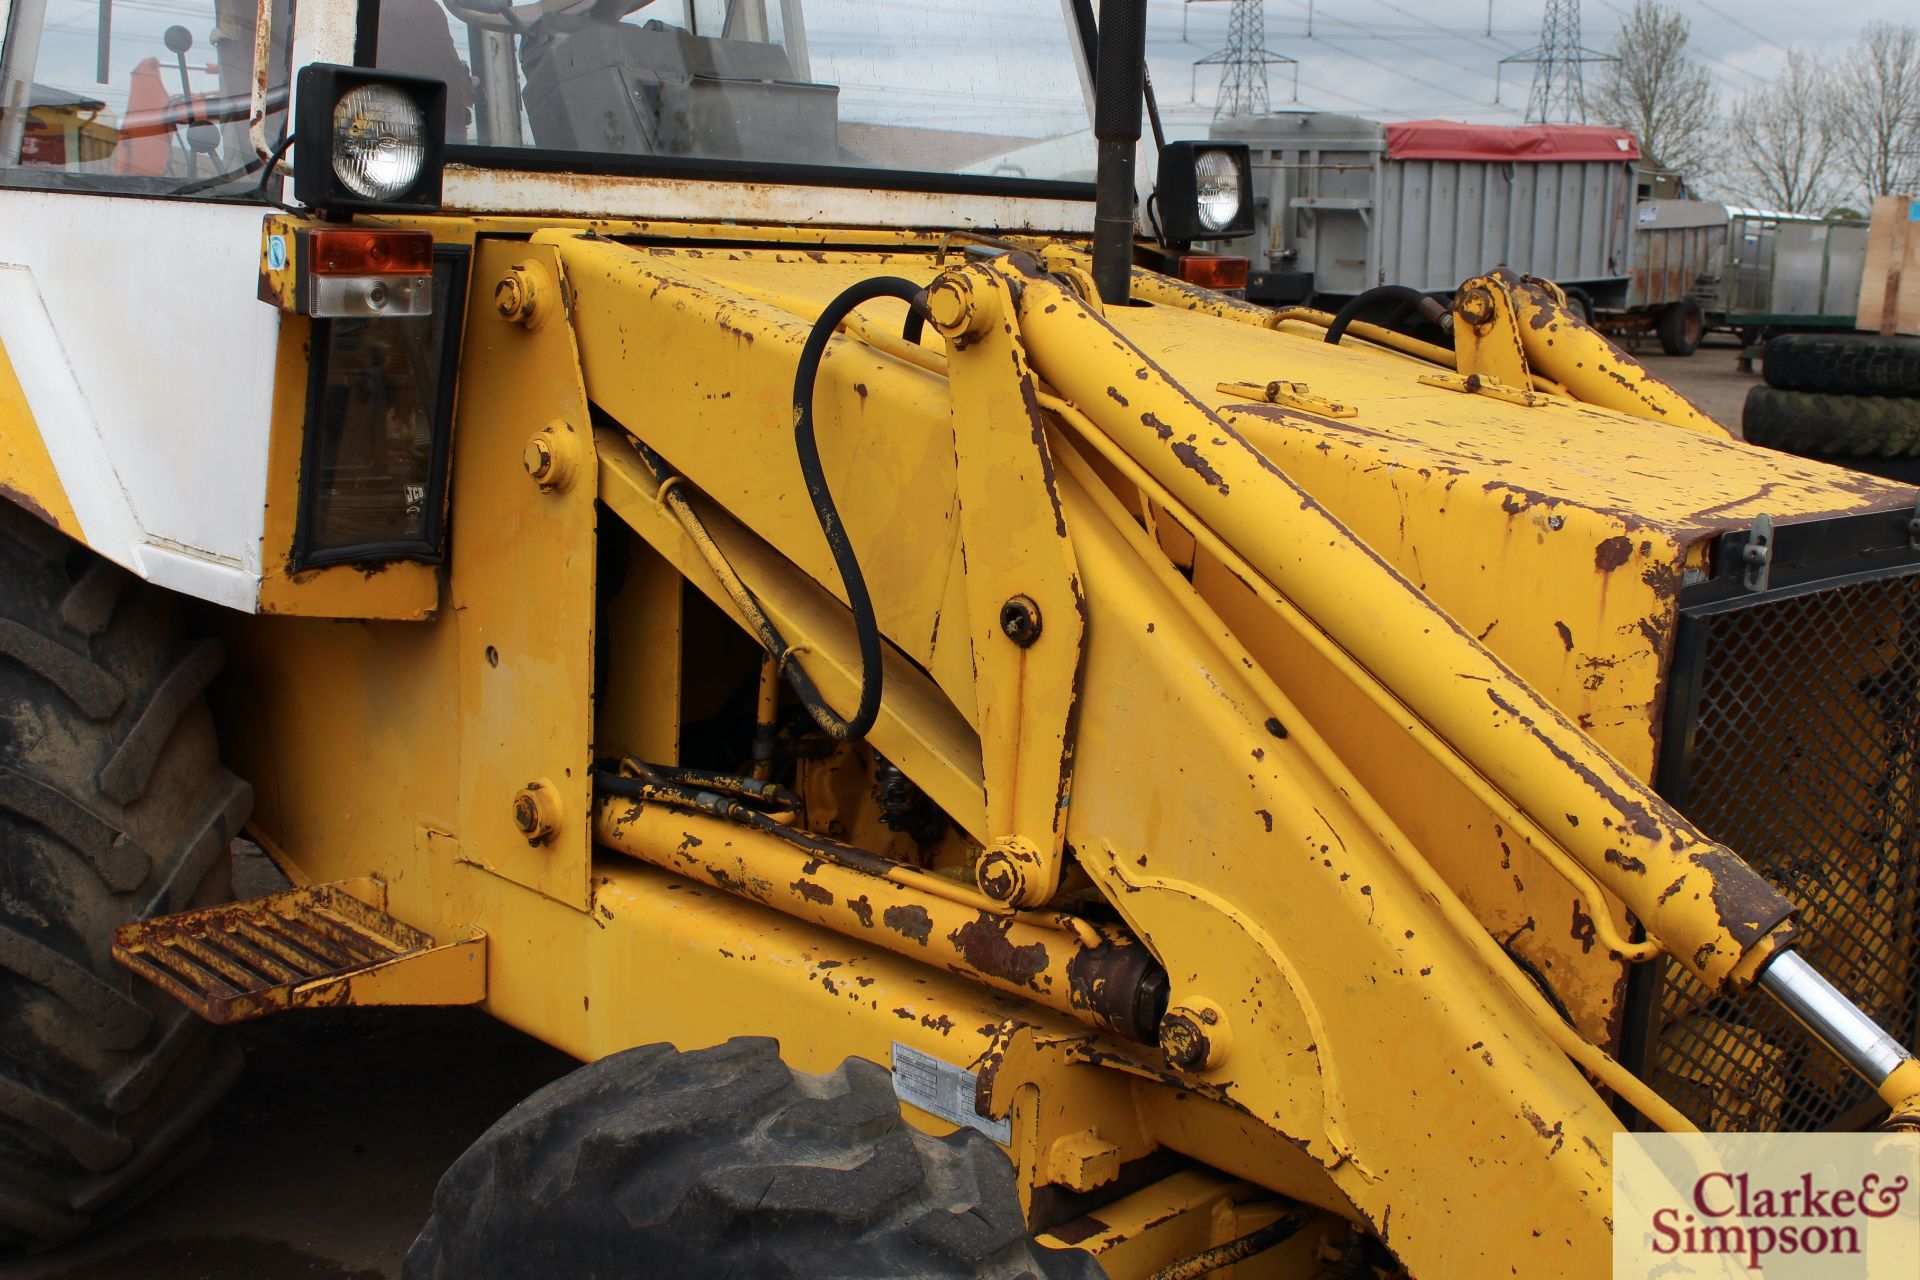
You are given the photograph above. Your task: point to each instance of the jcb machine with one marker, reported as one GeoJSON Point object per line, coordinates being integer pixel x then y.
{"type": "Point", "coordinates": [694, 528]}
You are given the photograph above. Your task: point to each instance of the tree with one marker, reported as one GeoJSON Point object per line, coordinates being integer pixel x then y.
{"type": "Point", "coordinates": [1783, 148]}
{"type": "Point", "coordinates": [1653, 88]}
{"type": "Point", "coordinates": [1876, 111]}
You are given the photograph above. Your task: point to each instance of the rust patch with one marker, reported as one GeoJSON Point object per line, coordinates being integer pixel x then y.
{"type": "Point", "coordinates": [813, 892]}
{"type": "Point", "coordinates": [1747, 906]}
{"type": "Point", "coordinates": [1195, 461]}
{"type": "Point", "coordinates": [1640, 819]}
{"type": "Point", "coordinates": [1566, 635]}
{"type": "Point", "coordinates": [1583, 928]}
{"type": "Point", "coordinates": [984, 945]}
{"type": "Point", "coordinates": [1612, 553]}
{"type": "Point", "coordinates": [909, 922]}
{"type": "Point", "coordinates": [1118, 399]}
{"type": "Point", "coordinates": [26, 501]}
{"type": "Point", "coordinates": [1153, 423]}
{"type": "Point", "coordinates": [1626, 862]}
{"type": "Point", "coordinates": [862, 910]}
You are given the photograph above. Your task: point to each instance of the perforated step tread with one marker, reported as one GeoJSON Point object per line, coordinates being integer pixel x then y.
{"type": "Point", "coordinates": [303, 947]}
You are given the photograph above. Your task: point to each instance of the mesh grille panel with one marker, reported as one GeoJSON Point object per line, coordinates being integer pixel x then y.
{"type": "Point", "coordinates": [1802, 757]}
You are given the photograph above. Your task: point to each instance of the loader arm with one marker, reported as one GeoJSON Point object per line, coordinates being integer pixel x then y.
{"type": "Point", "coordinates": [1243, 852]}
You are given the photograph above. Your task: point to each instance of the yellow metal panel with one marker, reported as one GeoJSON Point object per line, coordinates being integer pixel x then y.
{"type": "Point", "coordinates": [27, 477]}
{"type": "Point", "coordinates": [522, 590]}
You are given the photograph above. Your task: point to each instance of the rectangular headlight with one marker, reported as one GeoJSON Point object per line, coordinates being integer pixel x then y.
{"type": "Point", "coordinates": [366, 139]}
{"type": "Point", "coordinates": [1204, 191]}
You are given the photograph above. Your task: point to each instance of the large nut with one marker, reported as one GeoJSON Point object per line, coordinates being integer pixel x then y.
{"type": "Point", "coordinates": [1194, 1036]}
{"type": "Point", "coordinates": [536, 811]}
{"type": "Point", "coordinates": [522, 294]}
{"type": "Point", "coordinates": [552, 456]}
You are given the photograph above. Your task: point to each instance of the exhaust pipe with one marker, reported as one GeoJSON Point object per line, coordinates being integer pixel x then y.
{"type": "Point", "coordinates": [1119, 82]}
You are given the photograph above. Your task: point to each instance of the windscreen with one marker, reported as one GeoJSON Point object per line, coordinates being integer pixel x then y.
{"type": "Point", "coordinates": [989, 88]}
{"type": "Point", "coordinates": [147, 96]}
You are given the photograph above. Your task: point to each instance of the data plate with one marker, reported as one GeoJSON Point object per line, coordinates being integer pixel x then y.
{"type": "Point", "coordinates": [944, 1090]}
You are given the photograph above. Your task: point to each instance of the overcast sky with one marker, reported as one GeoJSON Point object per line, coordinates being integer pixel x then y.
{"type": "Point", "coordinates": [1414, 58]}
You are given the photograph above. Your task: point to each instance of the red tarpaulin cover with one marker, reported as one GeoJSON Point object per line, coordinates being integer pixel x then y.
{"type": "Point", "coordinates": [1536, 143]}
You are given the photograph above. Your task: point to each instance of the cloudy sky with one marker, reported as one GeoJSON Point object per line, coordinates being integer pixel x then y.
{"type": "Point", "coordinates": [1412, 58]}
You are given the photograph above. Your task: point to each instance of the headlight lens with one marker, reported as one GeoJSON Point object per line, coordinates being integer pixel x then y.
{"type": "Point", "coordinates": [379, 141]}
{"type": "Point", "coordinates": [1217, 189]}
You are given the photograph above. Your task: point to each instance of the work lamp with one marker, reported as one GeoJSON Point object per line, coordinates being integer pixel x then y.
{"type": "Point", "coordinates": [366, 139]}
{"type": "Point", "coordinates": [1204, 191]}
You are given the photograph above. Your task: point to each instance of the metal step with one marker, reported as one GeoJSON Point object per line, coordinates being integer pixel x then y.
{"type": "Point", "coordinates": [321, 946]}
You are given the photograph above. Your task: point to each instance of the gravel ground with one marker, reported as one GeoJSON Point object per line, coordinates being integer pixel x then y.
{"type": "Point", "coordinates": [323, 1160]}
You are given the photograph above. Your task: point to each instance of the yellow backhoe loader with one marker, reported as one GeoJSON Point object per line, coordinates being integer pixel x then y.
{"type": "Point", "coordinates": [733, 537]}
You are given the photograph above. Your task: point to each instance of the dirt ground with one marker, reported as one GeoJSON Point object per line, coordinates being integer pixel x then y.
{"type": "Point", "coordinates": [322, 1162]}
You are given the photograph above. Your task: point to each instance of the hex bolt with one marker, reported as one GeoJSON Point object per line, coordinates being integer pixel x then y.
{"type": "Point", "coordinates": [1475, 306]}
{"type": "Point", "coordinates": [1020, 620]}
{"type": "Point", "coordinates": [1194, 1036]}
{"type": "Point", "coordinates": [536, 811]}
{"type": "Point", "coordinates": [520, 293]}
{"type": "Point", "coordinates": [551, 456]}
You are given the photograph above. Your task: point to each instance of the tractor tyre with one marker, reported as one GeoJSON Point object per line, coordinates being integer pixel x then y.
{"type": "Point", "coordinates": [725, 1162]}
{"type": "Point", "coordinates": [1682, 325]}
{"type": "Point", "coordinates": [1815, 425]}
{"type": "Point", "coordinates": [113, 807]}
{"type": "Point", "coordinates": [1857, 364]}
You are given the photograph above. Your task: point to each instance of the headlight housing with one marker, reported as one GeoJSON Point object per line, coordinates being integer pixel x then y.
{"type": "Point", "coordinates": [1204, 191]}
{"type": "Point", "coordinates": [366, 139]}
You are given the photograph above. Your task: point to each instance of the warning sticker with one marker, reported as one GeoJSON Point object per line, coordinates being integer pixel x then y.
{"type": "Point", "coordinates": [942, 1089]}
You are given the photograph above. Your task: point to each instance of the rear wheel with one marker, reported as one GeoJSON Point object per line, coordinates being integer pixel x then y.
{"type": "Point", "coordinates": [1682, 325]}
{"type": "Point", "coordinates": [725, 1162]}
{"type": "Point", "coordinates": [113, 807]}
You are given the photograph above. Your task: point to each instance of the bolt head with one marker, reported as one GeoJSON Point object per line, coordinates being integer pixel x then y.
{"type": "Point", "coordinates": [526, 812]}
{"type": "Point", "coordinates": [538, 457]}
{"type": "Point", "coordinates": [510, 295]}
{"type": "Point", "coordinates": [999, 877]}
{"type": "Point", "coordinates": [1194, 1036]}
{"type": "Point", "coordinates": [1020, 620]}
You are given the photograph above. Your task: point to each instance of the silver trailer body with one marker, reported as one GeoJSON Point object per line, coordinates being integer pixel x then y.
{"type": "Point", "coordinates": [1339, 212]}
{"type": "Point", "coordinates": [1789, 269]}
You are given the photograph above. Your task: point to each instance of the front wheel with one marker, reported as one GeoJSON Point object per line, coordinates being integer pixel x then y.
{"type": "Point", "coordinates": [113, 808]}
{"type": "Point", "coordinates": [725, 1162]}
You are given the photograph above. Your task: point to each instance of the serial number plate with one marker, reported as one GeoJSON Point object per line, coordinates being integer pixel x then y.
{"type": "Point", "coordinates": [942, 1089]}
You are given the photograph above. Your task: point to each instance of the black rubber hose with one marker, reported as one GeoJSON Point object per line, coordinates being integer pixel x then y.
{"type": "Point", "coordinates": [1409, 299]}
{"type": "Point", "coordinates": [866, 626]}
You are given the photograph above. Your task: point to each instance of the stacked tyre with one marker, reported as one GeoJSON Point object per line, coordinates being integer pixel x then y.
{"type": "Point", "coordinates": [1849, 398]}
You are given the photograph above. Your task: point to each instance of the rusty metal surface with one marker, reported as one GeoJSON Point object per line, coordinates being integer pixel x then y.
{"type": "Point", "coordinates": [300, 948]}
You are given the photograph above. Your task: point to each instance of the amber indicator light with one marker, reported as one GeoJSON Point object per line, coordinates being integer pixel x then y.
{"type": "Point", "coordinates": [370, 253]}
{"type": "Point", "coordinates": [1214, 271]}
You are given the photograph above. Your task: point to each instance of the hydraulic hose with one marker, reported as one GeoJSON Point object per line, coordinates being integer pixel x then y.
{"type": "Point", "coordinates": [866, 626]}
{"type": "Point", "coordinates": [1409, 299]}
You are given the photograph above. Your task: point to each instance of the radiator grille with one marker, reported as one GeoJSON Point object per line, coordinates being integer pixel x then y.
{"type": "Point", "coordinates": [1800, 741]}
